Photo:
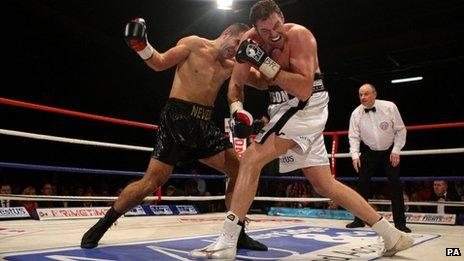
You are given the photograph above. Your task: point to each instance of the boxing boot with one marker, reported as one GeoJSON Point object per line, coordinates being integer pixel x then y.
{"type": "Point", "coordinates": [246, 242]}
{"type": "Point", "coordinates": [225, 246]}
{"type": "Point", "coordinates": [95, 233]}
{"type": "Point", "coordinates": [393, 239]}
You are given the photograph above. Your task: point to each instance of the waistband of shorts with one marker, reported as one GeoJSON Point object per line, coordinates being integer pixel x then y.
{"type": "Point", "coordinates": [318, 84]}
{"type": "Point", "coordinates": [195, 110]}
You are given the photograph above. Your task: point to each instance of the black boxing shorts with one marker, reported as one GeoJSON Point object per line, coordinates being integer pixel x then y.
{"type": "Point", "coordinates": [186, 132]}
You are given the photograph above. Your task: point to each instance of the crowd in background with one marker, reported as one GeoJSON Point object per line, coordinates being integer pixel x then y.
{"type": "Point", "coordinates": [64, 184]}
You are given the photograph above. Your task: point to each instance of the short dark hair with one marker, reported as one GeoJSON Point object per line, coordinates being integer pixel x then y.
{"type": "Point", "coordinates": [237, 28]}
{"type": "Point", "coordinates": [263, 9]}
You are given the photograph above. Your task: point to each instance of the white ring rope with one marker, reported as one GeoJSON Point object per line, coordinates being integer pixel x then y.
{"type": "Point", "coordinates": [140, 148]}
{"type": "Point", "coordinates": [210, 198]}
{"type": "Point", "coordinates": [71, 140]}
{"type": "Point", "coordinates": [113, 198]}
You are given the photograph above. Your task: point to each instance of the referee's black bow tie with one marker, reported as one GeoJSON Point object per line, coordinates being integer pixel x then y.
{"type": "Point", "coordinates": [370, 109]}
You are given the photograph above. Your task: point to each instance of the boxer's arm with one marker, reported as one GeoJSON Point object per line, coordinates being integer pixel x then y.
{"type": "Point", "coordinates": [257, 80]}
{"type": "Point", "coordinates": [135, 35]}
{"type": "Point", "coordinates": [298, 81]}
{"type": "Point", "coordinates": [241, 120]}
{"type": "Point", "coordinates": [240, 75]}
{"type": "Point", "coordinates": [162, 61]}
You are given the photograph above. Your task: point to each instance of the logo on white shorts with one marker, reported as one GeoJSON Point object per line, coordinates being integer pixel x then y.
{"type": "Point", "coordinates": [287, 159]}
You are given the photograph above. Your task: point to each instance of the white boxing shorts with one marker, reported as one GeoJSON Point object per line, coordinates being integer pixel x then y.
{"type": "Point", "coordinates": [302, 123]}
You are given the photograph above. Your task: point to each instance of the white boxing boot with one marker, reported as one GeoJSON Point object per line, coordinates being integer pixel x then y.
{"type": "Point", "coordinates": [394, 239]}
{"type": "Point", "coordinates": [225, 246]}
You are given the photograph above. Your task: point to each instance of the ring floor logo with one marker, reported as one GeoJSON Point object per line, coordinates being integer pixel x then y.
{"type": "Point", "coordinates": [295, 242]}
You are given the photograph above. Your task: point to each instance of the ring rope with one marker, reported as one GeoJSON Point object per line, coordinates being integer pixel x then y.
{"type": "Point", "coordinates": [113, 198]}
{"type": "Point", "coordinates": [141, 148]}
{"type": "Point", "coordinates": [36, 167]}
{"type": "Point", "coordinates": [186, 198]}
{"type": "Point", "coordinates": [76, 113]}
{"type": "Point", "coordinates": [29, 105]}
{"type": "Point", "coordinates": [211, 198]}
{"type": "Point", "coordinates": [72, 140]}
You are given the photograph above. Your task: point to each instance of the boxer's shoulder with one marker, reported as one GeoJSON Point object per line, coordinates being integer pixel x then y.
{"type": "Point", "coordinates": [296, 31]}
{"type": "Point", "coordinates": [193, 42]}
{"type": "Point", "coordinates": [300, 37]}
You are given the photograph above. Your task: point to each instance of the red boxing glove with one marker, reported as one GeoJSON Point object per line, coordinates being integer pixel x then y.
{"type": "Point", "coordinates": [241, 120]}
{"type": "Point", "coordinates": [135, 35]}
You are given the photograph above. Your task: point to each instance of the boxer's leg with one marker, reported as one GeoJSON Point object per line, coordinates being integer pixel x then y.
{"type": "Point", "coordinates": [324, 184]}
{"type": "Point", "coordinates": [252, 161]}
{"type": "Point", "coordinates": [156, 175]}
{"type": "Point", "coordinates": [227, 162]}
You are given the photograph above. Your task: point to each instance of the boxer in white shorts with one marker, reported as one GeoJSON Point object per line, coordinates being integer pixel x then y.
{"type": "Point", "coordinates": [275, 53]}
{"type": "Point", "coordinates": [304, 126]}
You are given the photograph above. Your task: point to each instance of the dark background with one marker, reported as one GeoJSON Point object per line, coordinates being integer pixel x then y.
{"type": "Point", "coordinates": [72, 55]}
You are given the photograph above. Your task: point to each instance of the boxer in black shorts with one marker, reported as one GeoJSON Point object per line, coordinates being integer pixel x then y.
{"type": "Point", "coordinates": [185, 131]}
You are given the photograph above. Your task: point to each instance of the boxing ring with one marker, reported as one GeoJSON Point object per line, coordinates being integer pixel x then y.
{"type": "Point", "coordinates": [171, 237]}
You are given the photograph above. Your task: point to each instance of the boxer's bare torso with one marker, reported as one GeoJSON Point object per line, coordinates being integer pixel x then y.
{"type": "Point", "coordinates": [201, 74]}
{"type": "Point", "coordinates": [282, 53]}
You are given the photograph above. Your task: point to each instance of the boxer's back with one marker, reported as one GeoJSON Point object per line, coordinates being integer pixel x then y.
{"type": "Point", "coordinates": [199, 77]}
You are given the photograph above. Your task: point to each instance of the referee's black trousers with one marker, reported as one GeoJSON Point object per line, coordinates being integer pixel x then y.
{"type": "Point", "coordinates": [370, 161]}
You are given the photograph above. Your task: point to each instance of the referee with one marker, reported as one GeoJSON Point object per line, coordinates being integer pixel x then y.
{"type": "Point", "coordinates": [379, 126]}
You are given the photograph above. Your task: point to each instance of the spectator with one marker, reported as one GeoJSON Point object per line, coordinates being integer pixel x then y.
{"type": "Point", "coordinates": [5, 189]}
{"type": "Point", "coordinates": [425, 191]}
{"type": "Point", "coordinates": [416, 198]}
{"type": "Point", "coordinates": [64, 191]}
{"type": "Point", "coordinates": [332, 205]}
{"type": "Point", "coordinates": [78, 191]}
{"type": "Point", "coordinates": [30, 206]}
{"type": "Point", "coordinates": [170, 191]}
{"type": "Point", "coordinates": [297, 190]}
{"type": "Point", "coordinates": [47, 190]}
{"type": "Point", "coordinates": [305, 204]}
{"type": "Point", "coordinates": [459, 186]}
{"type": "Point", "coordinates": [443, 192]}
{"type": "Point", "coordinates": [104, 192]}
{"type": "Point", "coordinates": [192, 189]}
{"type": "Point", "coordinates": [88, 193]}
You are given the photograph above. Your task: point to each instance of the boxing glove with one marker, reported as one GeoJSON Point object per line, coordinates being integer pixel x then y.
{"type": "Point", "coordinates": [135, 35]}
{"type": "Point", "coordinates": [249, 51]}
{"type": "Point", "coordinates": [241, 120]}
{"type": "Point", "coordinates": [257, 125]}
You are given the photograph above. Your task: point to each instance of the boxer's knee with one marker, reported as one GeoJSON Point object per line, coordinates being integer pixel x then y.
{"type": "Point", "coordinates": [252, 158]}
{"type": "Point", "coordinates": [326, 189]}
{"type": "Point", "coordinates": [155, 176]}
{"type": "Point", "coordinates": [156, 180]}
{"type": "Point", "coordinates": [321, 189]}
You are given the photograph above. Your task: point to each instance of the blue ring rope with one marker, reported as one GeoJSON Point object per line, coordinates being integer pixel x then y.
{"type": "Point", "coordinates": [36, 167]}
